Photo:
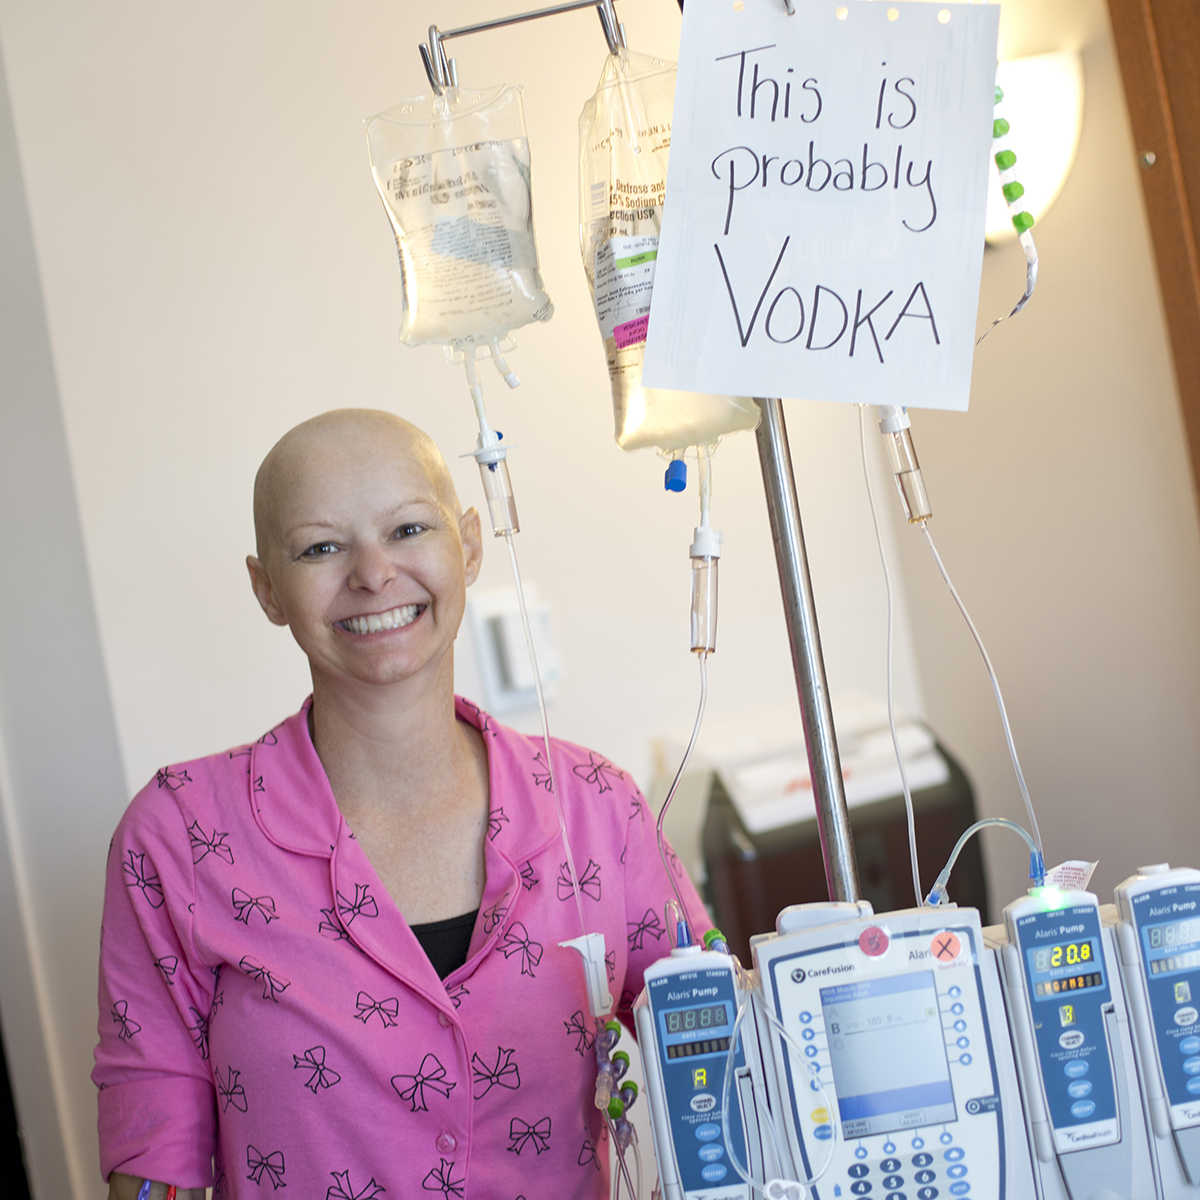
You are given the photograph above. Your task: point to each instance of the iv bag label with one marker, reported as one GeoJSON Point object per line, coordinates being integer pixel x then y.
{"type": "Point", "coordinates": [624, 283]}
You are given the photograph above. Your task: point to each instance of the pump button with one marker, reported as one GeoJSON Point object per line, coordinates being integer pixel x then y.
{"type": "Point", "coordinates": [1189, 1045]}
{"type": "Point", "coordinates": [1191, 1066]}
{"type": "Point", "coordinates": [1076, 1067]}
{"type": "Point", "coordinates": [708, 1131]}
{"type": "Point", "coordinates": [823, 1132]}
{"type": "Point", "coordinates": [889, 1165]}
{"type": "Point", "coordinates": [954, 1154]}
{"type": "Point", "coordinates": [923, 1160]}
{"type": "Point", "coordinates": [714, 1172]}
{"type": "Point", "coordinates": [861, 1188]}
{"type": "Point", "coordinates": [927, 1193]}
{"type": "Point", "coordinates": [1193, 1085]}
{"type": "Point", "coordinates": [893, 1181]}
{"type": "Point", "coordinates": [1082, 1109]}
{"type": "Point", "coordinates": [711, 1153]}
{"type": "Point", "coordinates": [1078, 1088]}
{"type": "Point", "coordinates": [895, 1196]}
{"type": "Point", "coordinates": [961, 1188]}
{"type": "Point", "coordinates": [1186, 1016]}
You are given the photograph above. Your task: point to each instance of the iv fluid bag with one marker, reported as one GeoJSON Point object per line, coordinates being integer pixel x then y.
{"type": "Point", "coordinates": [624, 143]}
{"type": "Point", "coordinates": [453, 174]}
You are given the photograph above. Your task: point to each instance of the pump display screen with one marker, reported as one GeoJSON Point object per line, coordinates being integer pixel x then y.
{"type": "Point", "coordinates": [1172, 946]}
{"type": "Point", "coordinates": [1065, 967]}
{"type": "Point", "coordinates": [887, 1051]}
{"type": "Point", "coordinates": [686, 1028]}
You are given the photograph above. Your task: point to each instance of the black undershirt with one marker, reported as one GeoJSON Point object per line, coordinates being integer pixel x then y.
{"type": "Point", "coordinates": [446, 942]}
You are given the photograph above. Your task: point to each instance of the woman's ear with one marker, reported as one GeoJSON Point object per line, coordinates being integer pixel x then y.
{"type": "Point", "coordinates": [260, 583]}
{"type": "Point", "coordinates": [472, 542]}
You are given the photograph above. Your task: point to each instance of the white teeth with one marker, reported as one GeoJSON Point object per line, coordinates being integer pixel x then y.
{"type": "Point", "coordinates": [395, 618]}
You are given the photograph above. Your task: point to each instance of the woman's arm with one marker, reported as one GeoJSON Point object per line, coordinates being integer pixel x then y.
{"type": "Point", "coordinates": [128, 1187]}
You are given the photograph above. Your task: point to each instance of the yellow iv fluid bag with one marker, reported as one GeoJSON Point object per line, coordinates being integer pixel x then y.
{"type": "Point", "coordinates": [453, 174]}
{"type": "Point", "coordinates": [624, 143]}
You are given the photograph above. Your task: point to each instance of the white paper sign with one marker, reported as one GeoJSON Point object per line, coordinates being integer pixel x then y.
{"type": "Point", "coordinates": [823, 230]}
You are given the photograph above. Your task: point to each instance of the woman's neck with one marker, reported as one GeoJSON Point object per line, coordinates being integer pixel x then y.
{"type": "Point", "coordinates": [383, 746]}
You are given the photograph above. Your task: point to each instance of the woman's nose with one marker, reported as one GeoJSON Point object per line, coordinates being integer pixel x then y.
{"type": "Point", "coordinates": [372, 568]}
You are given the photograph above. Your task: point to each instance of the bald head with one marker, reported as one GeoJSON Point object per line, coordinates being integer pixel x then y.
{"type": "Point", "coordinates": [309, 462]}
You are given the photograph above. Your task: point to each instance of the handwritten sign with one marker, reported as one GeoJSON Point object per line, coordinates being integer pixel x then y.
{"type": "Point", "coordinates": [823, 230]}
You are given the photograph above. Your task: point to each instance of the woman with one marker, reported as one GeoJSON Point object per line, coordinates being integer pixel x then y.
{"type": "Point", "coordinates": [330, 959]}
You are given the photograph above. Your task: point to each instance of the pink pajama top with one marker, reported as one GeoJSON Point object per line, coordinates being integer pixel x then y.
{"type": "Point", "coordinates": [268, 1019]}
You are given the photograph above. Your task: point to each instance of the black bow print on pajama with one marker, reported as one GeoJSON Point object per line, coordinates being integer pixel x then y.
{"type": "Point", "coordinates": [145, 878]}
{"type": "Point", "coordinates": [497, 818]}
{"type": "Point", "coordinates": [387, 1010]}
{"type": "Point", "coordinates": [120, 1015]}
{"type": "Point", "coordinates": [204, 844]}
{"type": "Point", "coordinates": [504, 1073]}
{"type": "Point", "coordinates": [517, 941]}
{"type": "Point", "coordinates": [521, 1135]}
{"type": "Point", "coordinates": [320, 1075]}
{"type": "Point", "coordinates": [431, 1075]}
{"type": "Point", "coordinates": [599, 772]}
{"type": "Point", "coordinates": [529, 879]}
{"type": "Point", "coordinates": [168, 965]}
{"type": "Point", "coordinates": [343, 1189]}
{"type": "Point", "coordinates": [198, 1028]}
{"type": "Point", "coordinates": [648, 926]}
{"type": "Point", "coordinates": [273, 987]}
{"type": "Point", "coordinates": [270, 1165]}
{"type": "Point", "coordinates": [494, 916]}
{"type": "Point", "coordinates": [441, 1179]}
{"type": "Point", "coordinates": [589, 881]}
{"type": "Point", "coordinates": [541, 773]}
{"type": "Point", "coordinates": [231, 1092]}
{"type": "Point", "coordinates": [587, 1154]}
{"type": "Point", "coordinates": [174, 780]}
{"type": "Point", "coordinates": [363, 905]}
{"type": "Point", "coordinates": [577, 1028]}
{"type": "Point", "coordinates": [246, 906]}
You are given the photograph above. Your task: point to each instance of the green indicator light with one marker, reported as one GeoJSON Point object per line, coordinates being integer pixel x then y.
{"type": "Point", "coordinates": [1050, 896]}
{"type": "Point", "coordinates": [999, 127]}
{"type": "Point", "coordinates": [1023, 221]}
{"type": "Point", "coordinates": [1005, 159]}
{"type": "Point", "coordinates": [999, 94]}
{"type": "Point", "coordinates": [1013, 191]}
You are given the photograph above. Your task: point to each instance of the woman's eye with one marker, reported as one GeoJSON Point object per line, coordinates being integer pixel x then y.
{"type": "Point", "coordinates": [409, 529]}
{"type": "Point", "coordinates": [319, 550]}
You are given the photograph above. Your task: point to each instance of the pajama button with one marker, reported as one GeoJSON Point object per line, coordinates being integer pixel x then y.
{"type": "Point", "coordinates": [446, 1143]}
{"type": "Point", "coordinates": [443, 1020]}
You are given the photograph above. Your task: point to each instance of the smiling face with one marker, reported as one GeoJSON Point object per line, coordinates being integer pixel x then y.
{"type": "Point", "coordinates": [362, 550]}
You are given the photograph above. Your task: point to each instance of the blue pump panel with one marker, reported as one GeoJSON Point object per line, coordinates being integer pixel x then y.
{"type": "Point", "coordinates": [1067, 982]}
{"type": "Point", "coordinates": [694, 1013]}
{"type": "Point", "coordinates": [1168, 928]}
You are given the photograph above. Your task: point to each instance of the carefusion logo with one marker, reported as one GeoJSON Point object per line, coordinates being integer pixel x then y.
{"type": "Point", "coordinates": [799, 975]}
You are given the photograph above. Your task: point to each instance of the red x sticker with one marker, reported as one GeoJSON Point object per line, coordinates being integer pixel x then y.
{"type": "Point", "coordinates": [945, 946]}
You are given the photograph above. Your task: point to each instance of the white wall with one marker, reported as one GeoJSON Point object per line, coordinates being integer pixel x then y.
{"type": "Point", "coordinates": [215, 267]}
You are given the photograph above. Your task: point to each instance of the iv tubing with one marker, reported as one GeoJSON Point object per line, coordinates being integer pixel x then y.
{"type": "Point", "coordinates": [662, 812]}
{"type": "Point", "coordinates": [541, 699]}
{"type": "Point", "coordinates": [775, 1134]}
{"type": "Point", "coordinates": [887, 586]}
{"type": "Point", "coordinates": [1008, 737]}
{"type": "Point", "coordinates": [937, 893]}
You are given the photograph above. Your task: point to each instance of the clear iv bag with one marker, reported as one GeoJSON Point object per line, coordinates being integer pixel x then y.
{"type": "Point", "coordinates": [624, 143]}
{"type": "Point", "coordinates": [453, 174]}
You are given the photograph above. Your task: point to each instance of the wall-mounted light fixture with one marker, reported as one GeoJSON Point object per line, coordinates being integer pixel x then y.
{"type": "Point", "coordinates": [1043, 104]}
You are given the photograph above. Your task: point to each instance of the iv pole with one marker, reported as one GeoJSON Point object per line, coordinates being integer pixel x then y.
{"type": "Point", "coordinates": [779, 484]}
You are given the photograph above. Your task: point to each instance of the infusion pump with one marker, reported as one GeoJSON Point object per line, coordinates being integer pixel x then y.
{"type": "Point", "coordinates": [915, 1056]}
